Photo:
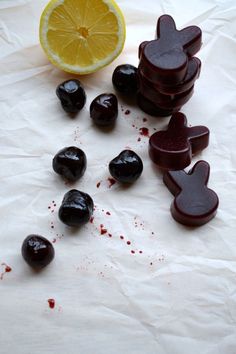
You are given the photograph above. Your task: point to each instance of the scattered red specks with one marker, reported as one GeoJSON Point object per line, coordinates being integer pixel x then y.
{"type": "Point", "coordinates": [144, 120]}
{"type": "Point", "coordinates": [103, 231]}
{"type": "Point", "coordinates": [108, 213]}
{"type": "Point", "coordinates": [121, 237]}
{"type": "Point", "coordinates": [52, 206]}
{"type": "Point", "coordinates": [76, 134]}
{"type": "Point", "coordinates": [144, 131]}
{"type": "Point", "coordinates": [98, 184]}
{"type": "Point", "coordinates": [57, 238]}
{"type": "Point", "coordinates": [127, 112]}
{"type": "Point", "coordinates": [132, 251]}
{"type": "Point", "coordinates": [51, 303]}
{"type": "Point", "coordinates": [91, 219]}
{"type": "Point", "coordinates": [7, 269]}
{"type": "Point", "coordinates": [111, 181]}
{"type": "Point", "coordinates": [128, 243]}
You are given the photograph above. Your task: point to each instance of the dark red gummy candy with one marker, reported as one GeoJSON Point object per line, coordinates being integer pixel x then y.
{"type": "Point", "coordinates": [165, 59]}
{"type": "Point", "coordinates": [152, 109]}
{"type": "Point", "coordinates": [173, 148]}
{"type": "Point", "coordinates": [194, 204]}
{"type": "Point", "coordinates": [193, 72]}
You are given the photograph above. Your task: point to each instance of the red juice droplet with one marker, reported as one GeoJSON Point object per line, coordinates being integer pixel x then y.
{"type": "Point", "coordinates": [8, 269]}
{"type": "Point", "coordinates": [51, 303]}
{"type": "Point", "coordinates": [98, 184]}
{"type": "Point", "coordinates": [128, 243]}
{"type": "Point", "coordinates": [132, 251]}
{"type": "Point", "coordinates": [108, 213]}
{"type": "Point", "coordinates": [121, 237]}
{"type": "Point", "coordinates": [127, 112]}
{"type": "Point", "coordinates": [144, 131]}
{"type": "Point", "coordinates": [91, 219]}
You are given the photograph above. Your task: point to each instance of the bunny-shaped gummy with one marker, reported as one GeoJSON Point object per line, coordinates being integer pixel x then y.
{"type": "Point", "coordinates": [193, 72]}
{"type": "Point", "coordinates": [194, 204]}
{"type": "Point", "coordinates": [165, 59]}
{"type": "Point", "coordinates": [173, 148]}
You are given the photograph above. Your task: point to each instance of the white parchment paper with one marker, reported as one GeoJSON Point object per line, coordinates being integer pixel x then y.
{"type": "Point", "coordinates": [177, 293]}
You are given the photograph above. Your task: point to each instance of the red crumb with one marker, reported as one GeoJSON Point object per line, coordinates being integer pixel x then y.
{"type": "Point", "coordinates": [98, 184]}
{"type": "Point", "coordinates": [127, 112]}
{"type": "Point", "coordinates": [8, 269]}
{"type": "Point", "coordinates": [151, 263]}
{"type": "Point", "coordinates": [132, 251]}
{"type": "Point", "coordinates": [110, 235]}
{"type": "Point", "coordinates": [103, 231]}
{"type": "Point", "coordinates": [111, 181]}
{"type": "Point", "coordinates": [140, 252]}
{"type": "Point", "coordinates": [139, 139]}
{"type": "Point", "coordinates": [128, 243]}
{"type": "Point", "coordinates": [121, 237]}
{"type": "Point", "coordinates": [144, 120]}
{"type": "Point", "coordinates": [91, 219]}
{"type": "Point", "coordinates": [144, 131]}
{"type": "Point", "coordinates": [108, 213]}
{"type": "Point", "coordinates": [51, 303]}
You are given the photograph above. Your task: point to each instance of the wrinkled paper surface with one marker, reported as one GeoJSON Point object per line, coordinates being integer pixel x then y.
{"type": "Point", "coordinates": [176, 297]}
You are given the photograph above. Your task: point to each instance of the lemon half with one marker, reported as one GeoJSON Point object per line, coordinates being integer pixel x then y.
{"type": "Point", "coordinates": [82, 36]}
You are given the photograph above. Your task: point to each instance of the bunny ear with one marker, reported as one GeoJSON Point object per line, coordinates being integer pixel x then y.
{"type": "Point", "coordinates": [175, 181]}
{"type": "Point", "coordinates": [177, 121]}
{"type": "Point", "coordinates": [191, 39]}
{"type": "Point", "coordinates": [165, 24]}
{"type": "Point", "coordinates": [201, 172]}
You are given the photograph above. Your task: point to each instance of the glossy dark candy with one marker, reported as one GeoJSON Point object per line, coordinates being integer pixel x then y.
{"type": "Point", "coordinates": [37, 251]}
{"type": "Point", "coordinates": [152, 109]}
{"type": "Point", "coordinates": [165, 59]}
{"type": "Point", "coordinates": [167, 101]}
{"type": "Point", "coordinates": [70, 163]}
{"type": "Point", "coordinates": [72, 95]}
{"type": "Point", "coordinates": [194, 204]}
{"type": "Point", "coordinates": [173, 148]}
{"type": "Point", "coordinates": [76, 208]}
{"type": "Point", "coordinates": [104, 109]}
{"type": "Point", "coordinates": [124, 79]}
{"type": "Point", "coordinates": [126, 167]}
{"type": "Point", "coordinates": [193, 72]}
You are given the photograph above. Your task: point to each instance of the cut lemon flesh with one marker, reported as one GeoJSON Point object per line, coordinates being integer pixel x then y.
{"type": "Point", "coordinates": [82, 36]}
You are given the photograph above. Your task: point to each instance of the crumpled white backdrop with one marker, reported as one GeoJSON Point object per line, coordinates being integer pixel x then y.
{"type": "Point", "coordinates": [179, 295]}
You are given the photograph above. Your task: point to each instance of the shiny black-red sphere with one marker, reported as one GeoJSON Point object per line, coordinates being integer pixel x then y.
{"type": "Point", "coordinates": [70, 163]}
{"type": "Point", "coordinates": [125, 79]}
{"type": "Point", "coordinates": [104, 109]}
{"type": "Point", "coordinates": [76, 208]}
{"type": "Point", "coordinates": [72, 95]}
{"type": "Point", "coordinates": [37, 251]}
{"type": "Point", "coordinates": [126, 167]}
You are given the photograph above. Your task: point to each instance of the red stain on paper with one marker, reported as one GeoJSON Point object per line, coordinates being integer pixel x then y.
{"type": "Point", "coordinates": [51, 303]}
{"type": "Point", "coordinates": [7, 269]}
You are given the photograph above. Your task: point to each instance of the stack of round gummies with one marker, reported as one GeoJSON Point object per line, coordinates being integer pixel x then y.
{"type": "Point", "coordinates": [167, 69]}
